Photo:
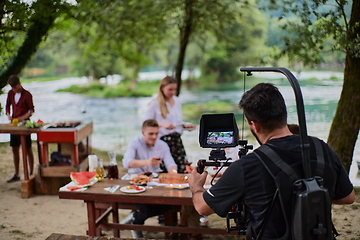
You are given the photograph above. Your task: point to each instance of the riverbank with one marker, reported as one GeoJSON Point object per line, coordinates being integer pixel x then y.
{"type": "Point", "coordinates": [37, 217]}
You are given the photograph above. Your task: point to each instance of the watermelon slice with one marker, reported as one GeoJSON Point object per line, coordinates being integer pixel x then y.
{"type": "Point", "coordinates": [73, 188]}
{"type": "Point", "coordinates": [82, 178]}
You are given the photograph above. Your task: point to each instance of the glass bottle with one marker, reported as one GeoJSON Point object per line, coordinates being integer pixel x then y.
{"type": "Point", "coordinates": [100, 170]}
{"type": "Point", "coordinates": [113, 172]}
{"type": "Point", "coordinates": [93, 162]}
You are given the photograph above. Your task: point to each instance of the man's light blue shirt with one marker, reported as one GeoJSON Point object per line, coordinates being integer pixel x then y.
{"type": "Point", "coordinates": [137, 149]}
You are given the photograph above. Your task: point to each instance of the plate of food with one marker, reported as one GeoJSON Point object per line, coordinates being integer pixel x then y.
{"type": "Point", "coordinates": [140, 179]}
{"type": "Point", "coordinates": [133, 189]}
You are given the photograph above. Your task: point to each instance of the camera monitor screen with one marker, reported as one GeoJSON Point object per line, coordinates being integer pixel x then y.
{"type": "Point", "coordinates": [218, 131]}
{"type": "Point", "coordinates": [226, 138]}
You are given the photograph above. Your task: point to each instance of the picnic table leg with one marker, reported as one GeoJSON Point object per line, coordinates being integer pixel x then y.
{"type": "Point", "coordinates": [24, 156]}
{"type": "Point", "coordinates": [88, 145]}
{"type": "Point", "coordinates": [44, 154]}
{"type": "Point", "coordinates": [39, 152]}
{"type": "Point", "coordinates": [98, 213]}
{"type": "Point", "coordinates": [170, 220]}
{"type": "Point", "coordinates": [91, 218]}
{"type": "Point", "coordinates": [75, 155]}
{"type": "Point", "coordinates": [115, 214]}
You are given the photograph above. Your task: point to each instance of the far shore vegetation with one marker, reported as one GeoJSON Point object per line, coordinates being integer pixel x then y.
{"type": "Point", "coordinates": [122, 89]}
{"type": "Point", "coordinates": [149, 88]}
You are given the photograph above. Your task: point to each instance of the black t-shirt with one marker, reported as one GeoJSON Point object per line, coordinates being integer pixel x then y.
{"type": "Point", "coordinates": [247, 181]}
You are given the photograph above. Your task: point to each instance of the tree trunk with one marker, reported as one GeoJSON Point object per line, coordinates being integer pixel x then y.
{"type": "Point", "coordinates": [185, 33]}
{"type": "Point", "coordinates": [134, 80]}
{"type": "Point", "coordinates": [40, 26]}
{"type": "Point", "coordinates": [345, 126]}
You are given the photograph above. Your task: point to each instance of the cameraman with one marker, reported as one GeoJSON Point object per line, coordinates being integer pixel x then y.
{"type": "Point", "coordinates": [248, 182]}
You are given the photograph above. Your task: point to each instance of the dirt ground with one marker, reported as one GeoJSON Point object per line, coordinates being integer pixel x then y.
{"type": "Point", "coordinates": [35, 218]}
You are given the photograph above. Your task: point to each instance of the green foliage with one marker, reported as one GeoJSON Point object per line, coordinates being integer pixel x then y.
{"type": "Point", "coordinates": [209, 82]}
{"type": "Point", "coordinates": [240, 44]}
{"type": "Point", "coordinates": [197, 18]}
{"type": "Point", "coordinates": [35, 19]}
{"type": "Point", "coordinates": [12, 28]}
{"type": "Point", "coordinates": [121, 36]}
{"type": "Point", "coordinates": [206, 81]}
{"type": "Point", "coordinates": [97, 89]}
{"type": "Point", "coordinates": [219, 64]}
{"type": "Point", "coordinates": [100, 38]}
{"type": "Point", "coordinates": [195, 110]}
{"type": "Point", "coordinates": [312, 29]}
{"type": "Point", "coordinates": [56, 55]}
{"type": "Point", "coordinates": [88, 89]}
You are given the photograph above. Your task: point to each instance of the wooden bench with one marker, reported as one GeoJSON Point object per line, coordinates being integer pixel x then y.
{"type": "Point", "coordinates": [59, 236]}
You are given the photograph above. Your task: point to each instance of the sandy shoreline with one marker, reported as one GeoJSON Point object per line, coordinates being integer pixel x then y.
{"type": "Point", "coordinates": [35, 218]}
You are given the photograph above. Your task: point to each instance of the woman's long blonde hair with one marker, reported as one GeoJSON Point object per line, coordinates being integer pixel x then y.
{"type": "Point", "coordinates": [161, 98]}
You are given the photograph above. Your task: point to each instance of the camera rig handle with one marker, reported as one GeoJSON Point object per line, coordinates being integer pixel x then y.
{"type": "Point", "coordinates": [305, 146]}
{"type": "Point", "coordinates": [201, 166]}
{"type": "Point", "coordinates": [202, 163]}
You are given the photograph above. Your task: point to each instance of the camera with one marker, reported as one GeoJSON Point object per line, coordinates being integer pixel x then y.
{"type": "Point", "coordinates": [217, 131]}
{"type": "Point", "coordinates": [220, 131]}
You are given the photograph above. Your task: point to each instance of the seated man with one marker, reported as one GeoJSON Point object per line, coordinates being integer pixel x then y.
{"type": "Point", "coordinates": [145, 154]}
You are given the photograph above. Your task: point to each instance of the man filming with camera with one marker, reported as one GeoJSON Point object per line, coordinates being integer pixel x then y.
{"type": "Point", "coordinates": [248, 181]}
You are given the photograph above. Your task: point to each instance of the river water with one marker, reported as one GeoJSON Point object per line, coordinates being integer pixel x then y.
{"type": "Point", "coordinates": [118, 120]}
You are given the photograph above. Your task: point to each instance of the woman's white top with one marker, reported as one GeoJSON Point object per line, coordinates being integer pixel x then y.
{"type": "Point", "coordinates": [174, 116]}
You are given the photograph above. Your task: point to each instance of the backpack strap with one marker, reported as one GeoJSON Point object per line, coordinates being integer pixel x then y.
{"type": "Point", "coordinates": [283, 166]}
{"type": "Point", "coordinates": [319, 157]}
{"type": "Point", "coordinates": [267, 214]}
{"type": "Point", "coordinates": [275, 194]}
{"type": "Point", "coordinates": [278, 161]}
{"type": "Point", "coordinates": [320, 161]}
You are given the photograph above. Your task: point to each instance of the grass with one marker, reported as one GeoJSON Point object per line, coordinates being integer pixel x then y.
{"type": "Point", "coordinates": [22, 234]}
{"type": "Point", "coordinates": [357, 191]}
{"type": "Point", "coordinates": [149, 88]}
{"type": "Point", "coordinates": [195, 110]}
{"type": "Point", "coordinates": [40, 79]}
{"type": "Point", "coordinates": [97, 89]}
{"type": "Point", "coordinates": [15, 231]}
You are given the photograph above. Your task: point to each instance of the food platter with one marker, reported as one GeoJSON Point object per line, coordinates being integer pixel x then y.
{"type": "Point", "coordinates": [128, 189]}
{"type": "Point", "coordinates": [140, 180]}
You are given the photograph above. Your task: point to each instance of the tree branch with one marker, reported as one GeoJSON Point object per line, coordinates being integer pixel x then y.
{"type": "Point", "coordinates": [343, 14]}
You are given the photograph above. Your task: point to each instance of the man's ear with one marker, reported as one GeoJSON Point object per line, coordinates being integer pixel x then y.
{"type": "Point", "coordinates": [256, 126]}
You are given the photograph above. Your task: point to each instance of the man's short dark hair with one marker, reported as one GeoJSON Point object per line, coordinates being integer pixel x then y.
{"type": "Point", "coordinates": [265, 105]}
{"type": "Point", "coordinates": [13, 80]}
{"type": "Point", "coordinates": [294, 128]}
{"type": "Point", "coordinates": [150, 123]}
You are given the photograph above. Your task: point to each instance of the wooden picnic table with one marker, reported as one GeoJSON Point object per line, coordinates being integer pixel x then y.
{"type": "Point", "coordinates": [95, 196]}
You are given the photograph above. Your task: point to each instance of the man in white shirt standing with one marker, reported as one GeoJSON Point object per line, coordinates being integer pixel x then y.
{"type": "Point", "coordinates": [145, 154]}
